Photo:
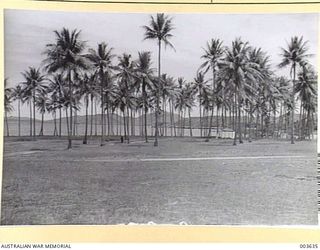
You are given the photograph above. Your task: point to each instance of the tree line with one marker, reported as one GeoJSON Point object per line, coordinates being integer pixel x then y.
{"type": "Point", "coordinates": [235, 85]}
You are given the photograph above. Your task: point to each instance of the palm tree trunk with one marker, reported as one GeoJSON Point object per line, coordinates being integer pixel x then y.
{"type": "Point", "coordinates": [67, 120]}
{"type": "Point", "coordinates": [173, 121]}
{"type": "Point", "coordinates": [250, 122]}
{"type": "Point", "coordinates": [190, 125]}
{"type": "Point", "coordinates": [71, 100]}
{"type": "Point", "coordinates": [75, 123]}
{"type": "Point", "coordinates": [91, 118]}
{"type": "Point", "coordinates": [300, 121]}
{"type": "Point", "coordinates": [212, 111]}
{"type": "Point", "coordinates": [293, 104]}
{"type": "Point", "coordinates": [60, 121]}
{"type": "Point", "coordinates": [19, 119]}
{"type": "Point", "coordinates": [41, 127]}
{"type": "Point", "coordinates": [95, 118]}
{"type": "Point", "coordinates": [217, 135]}
{"type": "Point", "coordinates": [7, 124]}
{"type": "Point", "coordinates": [235, 118]}
{"type": "Point", "coordinates": [239, 118]}
{"type": "Point", "coordinates": [30, 106]}
{"type": "Point", "coordinates": [200, 115]}
{"type": "Point", "coordinates": [55, 123]}
{"type": "Point", "coordinates": [124, 125]}
{"type": "Point", "coordinates": [157, 97]}
{"type": "Point", "coordinates": [34, 115]}
{"type": "Point", "coordinates": [102, 109]}
{"type": "Point", "coordinates": [280, 121]}
{"type": "Point", "coordinates": [86, 125]}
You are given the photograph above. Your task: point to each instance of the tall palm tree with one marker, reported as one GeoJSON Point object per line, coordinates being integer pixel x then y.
{"type": "Point", "coordinates": [41, 104]}
{"type": "Point", "coordinates": [145, 77]}
{"type": "Point", "coordinates": [65, 55]}
{"type": "Point", "coordinates": [7, 103]}
{"type": "Point", "coordinates": [212, 56]}
{"type": "Point", "coordinates": [306, 89]}
{"type": "Point", "coordinates": [200, 84]}
{"type": "Point", "coordinates": [55, 88]}
{"type": "Point", "coordinates": [237, 68]}
{"type": "Point", "coordinates": [159, 29]}
{"type": "Point", "coordinates": [34, 83]}
{"type": "Point", "coordinates": [17, 95]}
{"type": "Point", "coordinates": [102, 62]}
{"type": "Point", "coordinates": [294, 55]}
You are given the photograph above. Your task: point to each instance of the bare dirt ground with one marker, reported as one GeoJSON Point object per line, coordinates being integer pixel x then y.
{"type": "Point", "coordinates": [183, 180]}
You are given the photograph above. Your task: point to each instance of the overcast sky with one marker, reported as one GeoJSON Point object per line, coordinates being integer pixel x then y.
{"type": "Point", "coordinates": [27, 33]}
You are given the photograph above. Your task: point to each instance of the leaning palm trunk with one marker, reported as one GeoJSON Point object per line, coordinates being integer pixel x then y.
{"type": "Point", "coordinates": [86, 125]}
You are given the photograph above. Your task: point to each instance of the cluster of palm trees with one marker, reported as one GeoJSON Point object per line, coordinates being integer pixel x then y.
{"type": "Point", "coordinates": [234, 88]}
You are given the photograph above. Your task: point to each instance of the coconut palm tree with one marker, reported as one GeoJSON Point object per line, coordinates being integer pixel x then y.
{"type": "Point", "coordinates": [17, 94]}
{"type": "Point", "coordinates": [306, 89]}
{"type": "Point", "coordinates": [212, 56]}
{"type": "Point", "coordinates": [65, 56]}
{"type": "Point", "coordinates": [159, 29]}
{"type": "Point", "coordinates": [102, 63]}
{"type": "Point", "coordinates": [85, 92]}
{"type": "Point", "coordinates": [33, 85]}
{"type": "Point", "coordinates": [41, 104]}
{"type": "Point", "coordinates": [144, 74]}
{"type": "Point", "coordinates": [200, 84]}
{"type": "Point", "coordinates": [294, 56]}
{"type": "Point", "coordinates": [239, 70]}
{"type": "Point", "coordinates": [7, 103]}
{"type": "Point", "coordinates": [55, 88]}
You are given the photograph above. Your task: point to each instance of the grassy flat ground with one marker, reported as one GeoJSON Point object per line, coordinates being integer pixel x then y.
{"type": "Point", "coordinates": [264, 182]}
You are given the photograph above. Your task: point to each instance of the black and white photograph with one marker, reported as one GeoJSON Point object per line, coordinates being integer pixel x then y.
{"type": "Point", "coordinates": [159, 118]}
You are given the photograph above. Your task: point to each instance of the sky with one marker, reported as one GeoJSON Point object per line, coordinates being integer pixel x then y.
{"type": "Point", "coordinates": [27, 33]}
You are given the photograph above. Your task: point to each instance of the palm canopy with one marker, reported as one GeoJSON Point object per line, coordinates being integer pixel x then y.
{"type": "Point", "coordinates": [7, 96]}
{"type": "Point", "coordinates": [295, 54]}
{"type": "Point", "coordinates": [237, 67]}
{"type": "Point", "coordinates": [34, 81]}
{"type": "Point", "coordinates": [101, 58]}
{"type": "Point", "coordinates": [159, 29]}
{"type": "Point", "coordinates": [306, 84]}
{"type": "Point", "coordinates": [212, 55]}
{"type": "Point", "coordinates": [66, 53]}
{"type": "Point", "coordinates": [144, 72]}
